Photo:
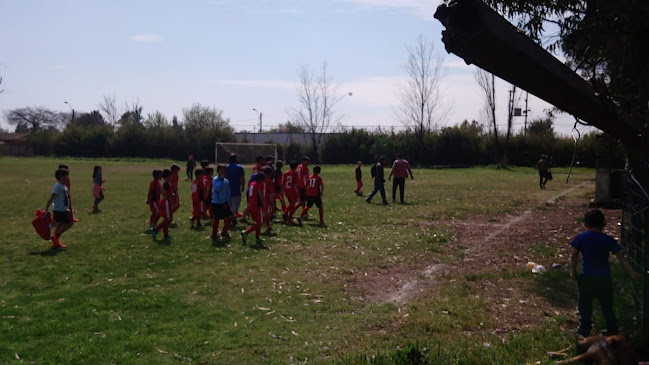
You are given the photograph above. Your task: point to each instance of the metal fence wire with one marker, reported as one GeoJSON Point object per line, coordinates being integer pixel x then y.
{"type": "Point", "coordinates": [635, 240]}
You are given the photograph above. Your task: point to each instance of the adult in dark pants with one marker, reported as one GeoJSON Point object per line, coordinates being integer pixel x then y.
{"type": "Point", "coordinates": [191, 165]}
{"type": "Point", "coordinates": [543, 165]}
{"type": "Point", "coordinates": [400, 171]}
{"type": "Point", "coordinates": [379, 181]}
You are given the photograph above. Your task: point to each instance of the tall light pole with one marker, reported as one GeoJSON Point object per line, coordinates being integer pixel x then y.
{"type": "Point", "coordinates": [71, 108]}
{"type": "Point", "coordinates": [259, 115]}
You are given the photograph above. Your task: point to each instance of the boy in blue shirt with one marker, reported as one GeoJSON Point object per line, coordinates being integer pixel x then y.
{"type": "Point", "coordinates": [221, 203]}
{"type": "Point", "coordinates": [61, 207]}
{"type": "Point", "coordinates": [595, 278]}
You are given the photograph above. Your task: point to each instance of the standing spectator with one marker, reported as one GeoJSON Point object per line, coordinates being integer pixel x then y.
{"type": "Point", "coordinates": [595, 278]}
{"type": "Point", "coordinates": [97, 188]}
{"type": "Point", "coordinates": [543, 165]}
{"type": "Point", "coordinates": [191, 165]}
{"type": "Point", "coordinates": [237, 177]}
{"type": "Point", "coordinates": [359, 179]}
{"type": "Point", "coordinates": [400, 171]}
{"type": "Point", "coordinates": [379, 181]}
{"type": "Point", "coordinates": [175, 202]}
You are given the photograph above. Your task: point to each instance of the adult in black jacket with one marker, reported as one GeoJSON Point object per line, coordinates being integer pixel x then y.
{"type": "Point", "coordinates": [379, 181]}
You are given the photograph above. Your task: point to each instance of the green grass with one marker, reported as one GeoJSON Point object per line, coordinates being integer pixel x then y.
{"type": "Point", "coordinates": [115, 296]}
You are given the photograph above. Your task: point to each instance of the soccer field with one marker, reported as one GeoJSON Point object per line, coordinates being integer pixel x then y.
{"type": "Point", "coordinates": [373, 281]}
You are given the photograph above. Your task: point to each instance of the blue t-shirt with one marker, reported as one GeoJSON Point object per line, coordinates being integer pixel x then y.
{"type": "Point", "coordinates": [220, 190]}
{"type": "Point", "coordinates": [595, 248]}
{"type": "Point", "coordinates": [234, 174]}
{"type": "Point", "coordinates": [61, 199]}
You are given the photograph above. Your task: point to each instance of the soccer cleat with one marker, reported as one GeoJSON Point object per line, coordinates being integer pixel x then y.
{"type": "Point", "coordinates": [153, 233]}
{"type": "Point", "coordinates": [260, 241]}
{"type": "Point", "coordinates": [244, 237]}
{"type": "Point", "coordinates": [322, 223]}
{"type": "Point", "coordinates": [368, 201]}
{"type": "Point", "coordinates": [299, 221]}
{"type": "Point", "coordinates": [225, 235]}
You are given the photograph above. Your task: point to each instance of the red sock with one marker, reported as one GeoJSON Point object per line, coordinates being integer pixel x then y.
{"type": "Point", "coordinates": [304, 210]}
{"type": "Point", "coordinates": [226, 225]}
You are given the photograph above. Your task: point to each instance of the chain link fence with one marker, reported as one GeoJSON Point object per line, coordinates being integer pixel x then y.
{"type": "Point", "coordinates": [635, 240]}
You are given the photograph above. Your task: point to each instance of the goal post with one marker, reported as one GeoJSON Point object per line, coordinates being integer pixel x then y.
{"type": "Point", "coordinates": [246, 152]}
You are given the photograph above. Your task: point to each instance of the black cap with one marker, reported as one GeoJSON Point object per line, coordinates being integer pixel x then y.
{"type": "Point", "coordinates": [306, 158]}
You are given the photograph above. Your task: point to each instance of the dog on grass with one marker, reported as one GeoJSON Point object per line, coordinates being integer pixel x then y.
{"type": "Point", "coordinates": [602, 350]}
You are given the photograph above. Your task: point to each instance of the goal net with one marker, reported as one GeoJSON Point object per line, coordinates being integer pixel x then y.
{"type": "Point", "coordinates": [246, 152]}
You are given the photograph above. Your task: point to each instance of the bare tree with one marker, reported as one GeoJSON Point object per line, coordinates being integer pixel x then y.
{"type": "Point", "coordinates": [317, 96]}
{"type": "Point", "coordinates": [156, 120]}
{"type": "Point", "coordinates": [422, 106]}
{"type": "Point", "coordinates": [108, 108]}
{"type": "Point", "coordinates": [34, 118]}
{"type": "Point", "coordinates": [487, 85]}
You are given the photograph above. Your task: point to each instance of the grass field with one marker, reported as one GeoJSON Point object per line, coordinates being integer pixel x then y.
{"type": "Point", "coordinates": [116, 296]}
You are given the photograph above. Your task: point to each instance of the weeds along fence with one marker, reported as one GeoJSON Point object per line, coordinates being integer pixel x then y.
{"type": "Point", "coordinates": [635, 240]}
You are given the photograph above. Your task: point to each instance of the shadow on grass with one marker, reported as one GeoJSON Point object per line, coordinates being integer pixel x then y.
{"type": "Point", "coordinates": [557, 287]}
{"type": "Point", "coordinates": [46, 253]}
{"type": "Point", "coordinates": [318, 225]}
{"type": "Point", "coordinates": [221, 243]}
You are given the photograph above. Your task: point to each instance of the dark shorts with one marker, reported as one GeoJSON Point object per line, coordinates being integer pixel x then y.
{"type": "Point", "coordinates": [302, 194]}
{"type": "Point", "coordinates": [221, 211]}
{"type": "Point", "coordinates": [317, 200]}
{"type": "Point", "coordinates": [62, 217]}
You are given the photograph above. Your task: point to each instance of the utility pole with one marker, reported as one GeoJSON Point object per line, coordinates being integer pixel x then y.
{"type": "Point", "coordinates": [71, 108]}
{"type": "Point", "coordinates": [527, 95]}
{"type": "Point", "coordinates": [260, 116]}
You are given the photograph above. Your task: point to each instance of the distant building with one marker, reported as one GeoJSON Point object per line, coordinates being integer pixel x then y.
{"type": "Point", "coordinates": [15, 144]}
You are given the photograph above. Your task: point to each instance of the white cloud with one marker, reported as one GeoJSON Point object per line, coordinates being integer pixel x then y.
{"type": "Point", "coordinates": [56, 67]}
{"type": "Point", "coordinates": [422, 8]}
{"type": "Point", "coordinates": [146, 38]}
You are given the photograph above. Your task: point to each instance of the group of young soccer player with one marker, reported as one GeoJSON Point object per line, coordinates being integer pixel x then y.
{"type": "Point", "coordinates": [218, 198]}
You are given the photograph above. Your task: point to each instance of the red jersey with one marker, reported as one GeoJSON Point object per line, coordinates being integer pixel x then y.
{"type": "Point", "coordinates": [154, 192]}
{"type": "Point", "coordinates": [302, 175]}
{"type": "Point", "coordinates": [314, 184]}
{"type": "Point", "coordinates": [166, 193]}
{"type": "Point", "coordinates": [269, 189]}
{"type": "Point", "coordinates": [208, 182]}
{"type": "Point", "coordinates": [257, 168]}
{"type": "Point", "coordinates": [174, 181]}
{"type": "Point", "coordinates": [253, 195]}
{"type": "Point", "coordinates": [198, 190]}
{"type": "Point", "coordinates": [290, 182]}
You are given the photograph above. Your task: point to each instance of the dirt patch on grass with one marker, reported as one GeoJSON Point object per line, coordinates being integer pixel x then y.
{"type": "Point", "coordinates": [491, 256]}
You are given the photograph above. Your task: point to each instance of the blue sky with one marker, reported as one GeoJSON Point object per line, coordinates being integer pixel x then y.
{"type": "Point", "coordinates": [235, 55]}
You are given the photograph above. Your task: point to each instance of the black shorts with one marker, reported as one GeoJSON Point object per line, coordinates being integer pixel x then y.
{"type": "Point", "coordinates": [317, 200]}
{"type": "Point", "coordinates": [302, 194]}
{"type": "Point", "coordinates": [62, 217]}
{"type": "Point", "coordinates": [221, 211]}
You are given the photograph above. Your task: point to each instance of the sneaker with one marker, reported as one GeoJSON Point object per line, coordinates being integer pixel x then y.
{"type": "Point", "coordinates": [322, 223]}
{"type": "Point", "coordinates": [153, 232]}
{"type": "Point", "coordinates": [299, 221]}
{"type": "Point", "coordinates": [368, 201]}
{"type": "Point", "coordinates": [386, 203]}
{"type": "Point", "coordinates": [168, 239]}
{"type": "Point", "coordinates": [216, 237]}
{"type": "Point", "coordinates": [226, 235]}
{"type": "Point", "coordinates": [244, 237]}
{"type": "Point", "coordinates": [260, 241]}
{"type": "Point", "coordinates": [244, 221]}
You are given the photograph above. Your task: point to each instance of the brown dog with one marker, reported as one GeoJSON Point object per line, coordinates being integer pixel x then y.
{"type": "Point", "coordinates": [603, 350]}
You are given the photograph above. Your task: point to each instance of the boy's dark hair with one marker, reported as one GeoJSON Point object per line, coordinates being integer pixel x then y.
{"type": "Point", "coordinates": [219, 167]}
{"type": "Point", "coordinates": [594, 218]}
{"type": "Point", "coordinates": [399, 155]}
{"type": "Point", "coordinates": [268, 170]}
{"type": "Point", "coordinates": [259, 158]}
{"type": "Point", "coordinates": [316, 170]}
{"type": "Point", "coordinates": [166, 173]}
{"type": "Point", "coordinates": [306, 158]}
{"type": "Point", "coordinates": [175, 167]}
{"type": "Point", "coordinates": [156, 173]}
{"type": "Point", "coordinates": [293, 165]}
{"type": "Point", "coordinates": [60, 173]}
{"type": "Point", "coordinates": [205, 163]}
{"type": "Point", "coordinates": [64, 167]}
{"type": "Point", "coordinates": [381, 158]}
{"type": "Point", "coordinates": [259, 177]}
{"type": "Point", "coordinates": [199, 172]}
{"type": "Point", "coordinates": [279, 164]}
{"type": "Point", "coordinates": [95, 170]}
{"type": "Point", "coordinates": [270, 157]}
{"type": "Point", "coordinates": [208, 170]}
{"type": "Point", "coordinates": [233, 158]}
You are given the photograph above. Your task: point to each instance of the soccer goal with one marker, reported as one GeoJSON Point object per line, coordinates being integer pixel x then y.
{"type": "Point", "coordinates": [246, 152]}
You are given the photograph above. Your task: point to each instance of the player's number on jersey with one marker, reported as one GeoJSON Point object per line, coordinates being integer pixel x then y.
{"type": "Point", "coordinates": [194, 188]}
{"type": "Point", "coordinates": [312, 183]}
{"type": "Point", "coordinates": [250, 190]}
{"type": "Point", "coordinates": [288, 180]}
